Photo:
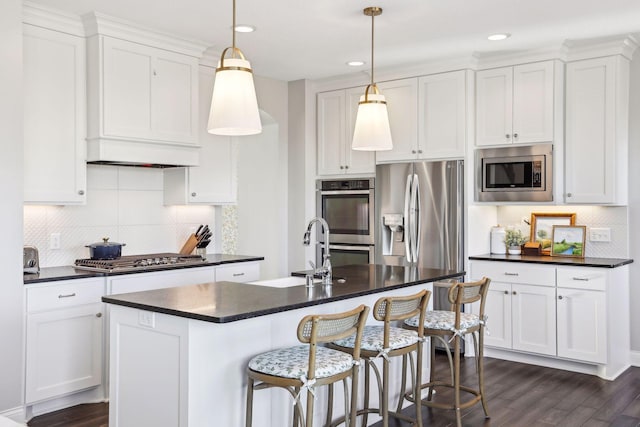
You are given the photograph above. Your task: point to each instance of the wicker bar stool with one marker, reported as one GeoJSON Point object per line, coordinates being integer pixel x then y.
{"type": "Point", "coordinates": [307, 367]}
{"type": "Point", "coordinates": [387, 341]}
{"type": "Point", "coordinates": [441, 324]}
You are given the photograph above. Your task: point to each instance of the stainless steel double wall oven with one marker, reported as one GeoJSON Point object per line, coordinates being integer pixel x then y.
{"type": "Point", "coordinates": [348, 206]}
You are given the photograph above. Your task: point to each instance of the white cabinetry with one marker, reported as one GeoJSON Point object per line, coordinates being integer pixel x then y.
{"type": "Point", "coordinates": [238, 272]}
{"type": "Point", "coordinates": [63, 338]}
{"type": "Point", "coordinates": [336, 118]}
{"type": "Point", "coordinates": [582, 322]}
{"type": "Point", "coordinates": [520, 306]}
{"type": "Point", "coordinates": [54, 117]}
{"type": "Point", "coordinates": [159, 280]}
{"type": "Point", "coordinates": [427, 116]}
{"type": "Point", "coordinates": [215, 180]}
{"type": "Point", "coordinates": [597, 115]}
{"type": "Point", "coordinates": [515, 104]}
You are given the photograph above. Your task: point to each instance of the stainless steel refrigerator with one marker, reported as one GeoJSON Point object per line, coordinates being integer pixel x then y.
{"type": "Point", "coordinates": [419, 214]}
{"type": "Point", "coordinates": [419, 219]}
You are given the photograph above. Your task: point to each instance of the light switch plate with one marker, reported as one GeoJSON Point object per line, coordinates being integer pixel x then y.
{"type": "Point", "coordinates": [600, 234]}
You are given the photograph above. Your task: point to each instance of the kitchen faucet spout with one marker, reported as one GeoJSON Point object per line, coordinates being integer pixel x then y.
{"type": "Point", "coordinates": [325, 271]}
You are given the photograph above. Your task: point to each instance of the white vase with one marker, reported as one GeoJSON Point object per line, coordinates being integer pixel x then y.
{"type": "Point", "coordinates": [515, 250]}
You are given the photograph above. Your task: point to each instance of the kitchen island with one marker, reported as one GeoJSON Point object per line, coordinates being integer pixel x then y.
{"type": "Point", "coordinates": [178, 356]}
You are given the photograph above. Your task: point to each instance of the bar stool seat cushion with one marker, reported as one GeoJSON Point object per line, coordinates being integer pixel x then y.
{"type": "Point", "coordinates": [444, 320]}
{"type": "Point", "coordinates": [373, 338]}
{"type": "Point", "coordinates": [293, 362]}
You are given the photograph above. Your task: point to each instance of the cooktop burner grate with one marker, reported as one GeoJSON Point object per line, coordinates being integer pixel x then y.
{"type": "Point", "coordinates": [137, 262]}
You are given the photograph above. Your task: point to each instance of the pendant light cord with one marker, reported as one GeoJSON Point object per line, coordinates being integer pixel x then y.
{"type": "Point", "coordinates": [233, 30]}
{"type": "Point", "coordinates": [372, 46]}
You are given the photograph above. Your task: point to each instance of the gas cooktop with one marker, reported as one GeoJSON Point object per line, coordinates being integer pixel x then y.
{"type": "Point", "coordinates": [137, 262]}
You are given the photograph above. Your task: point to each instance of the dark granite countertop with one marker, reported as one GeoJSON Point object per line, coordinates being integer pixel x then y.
{"type": "Point", "coordinates": [52, 274]}
{"type": "Point", "coordinates": [223, 302]}
{"type": "Point", "coordinates": [556, 260]}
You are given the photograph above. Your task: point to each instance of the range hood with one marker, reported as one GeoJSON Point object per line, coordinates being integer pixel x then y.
{"type": "Point", "coordinates": [128, 152]}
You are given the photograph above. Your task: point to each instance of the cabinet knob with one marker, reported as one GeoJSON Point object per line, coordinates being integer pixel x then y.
{"type": "Point", "coordinates": [154, 73]}
{"type": "Point", "coordinates": [569, 194]}
{"type": "Point", "coordinates": [508, 136]}
{"type": "Point", "coordinates": [514, 292]}
{"type": "Point", "coordinates": [515, 135]}
{"type": "Point", "coordinates": [81, 192]}
{"type": "Point", "coordinates": [194, 194]}
{"type": "Point", "coordinates": [559, 296]}
{"type": "Point", "coordinates": [346, 167]}
{"type": "Point", "coordinates": [341, 167]}
{"type": "Point", "coordinates": [419, 151]}
{"type": "Point", "coordinates": [413, 151]}
{"type": "Point", "coordinates": [98, 315]}
{"type": "Point", "coordinates": [506, 292]}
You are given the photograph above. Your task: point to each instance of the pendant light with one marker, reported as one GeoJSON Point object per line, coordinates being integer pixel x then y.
{"type": "Point", "coordinates": [234, 107]}
{"type": "Point", "coordinates": [372, 132]}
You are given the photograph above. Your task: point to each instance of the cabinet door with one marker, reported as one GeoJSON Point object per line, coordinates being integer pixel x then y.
{"type": "Point", "coordinates": [356, 162]}
{"type": "Point", "coordinates": [331, 132]}
{"type": "Point", "coordinates": [238, 272]}
{"type": "Point", "coordinates": [498, 311]}
{"type": "Point", "coordinates": [215, 180]}
{"type": "Point", "coordinates": [64, 351]}
{"type": "Point", "coordinates": [494, 103]}
{"type": "Point", "coordinates": [582, 325]}
{"type": "Point", "coordinates": [175, 97]}
{"type": "Point", "coordinates": [402, 105]}
{"type": "Point", "coordinates": [54, 117]}
{"type": "Point", "coordinates": [590, 129]}
{"type": "Point", "coordinates": [127, 89]}
{"type": "Point", "coordinates": [533, 102]}
{"type": "Point", "coordinates": [442, 115]}
{"type": "Point", "coordinates": [534, 318]}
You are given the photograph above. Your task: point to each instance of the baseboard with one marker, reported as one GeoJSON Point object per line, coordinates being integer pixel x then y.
{"type": "Point", "coordinates": [635, 358]}
{"type": "Point", "coordinates": [15, 414]}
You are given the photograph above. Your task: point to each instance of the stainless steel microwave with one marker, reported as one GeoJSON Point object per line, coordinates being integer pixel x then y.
{"type": "Point", "coordinates": [515, 174]}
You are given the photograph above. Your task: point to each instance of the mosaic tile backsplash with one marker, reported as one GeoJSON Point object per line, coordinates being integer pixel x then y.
{"type": "Point", "coordinates": [615, 218]}
{"type": "Point", "coordinates": [124, 204]}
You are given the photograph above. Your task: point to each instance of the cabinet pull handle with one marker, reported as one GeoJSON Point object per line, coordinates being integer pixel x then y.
{"type": "Point", "coordinates": [582, 279]}
{"type": "Point", "coordinates": [98, 315]}
{"type": "Point", "coordinates": [510, 274]}
{"type": "Point", "coordinates": [67, 295]}
{"type": "Point", "coordinates": [508, 136]}
{"type": "Point", "coordinates": [238, 274]}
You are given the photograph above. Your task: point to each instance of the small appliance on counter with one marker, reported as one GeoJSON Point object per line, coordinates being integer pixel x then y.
{"type": "Point", "coordinates": [498, 246]}
{"type": "Point", "coordinates": [30, 260]}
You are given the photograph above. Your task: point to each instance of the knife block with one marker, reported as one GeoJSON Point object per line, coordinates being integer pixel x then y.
{"type": "Point", "coordinates": [189, 245]}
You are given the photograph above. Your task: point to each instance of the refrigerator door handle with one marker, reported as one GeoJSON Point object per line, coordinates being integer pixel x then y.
{"type": "Point", "coordinates": [407, 219]}
{"type": "Point", "coordinates": [417, 229]}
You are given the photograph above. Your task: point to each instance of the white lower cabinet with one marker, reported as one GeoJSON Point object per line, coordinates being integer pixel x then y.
{"type": "Point", "coordinates": [64, 338]}
{"type": "Point", "coordinates": [139, 282]}
{"type": "Point", "coordinates": [238, 272]}
{"type": "Point", "coordinates": [580, 314]}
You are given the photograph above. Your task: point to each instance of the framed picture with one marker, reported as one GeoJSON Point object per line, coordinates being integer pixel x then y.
{"type": "Point", "coordinates": [542, 227]}
{"type": "Point", "coordinates": [568, 240]}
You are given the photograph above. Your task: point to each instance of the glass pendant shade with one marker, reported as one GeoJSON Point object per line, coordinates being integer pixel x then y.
{"type": "Point", "coordinates": [234, 106]}
{"type": "Point", "coordinates": [372, 131]}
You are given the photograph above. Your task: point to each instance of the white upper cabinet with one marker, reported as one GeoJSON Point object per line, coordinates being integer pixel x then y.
{"type": "Point", "coordinates": [427, 116]}
{"type": "Point", "coordinates": [336, 117]}
{"type": "Point", "coordinates": [54, 117]}
{"type": "Point", "coordinates": [147, 93]}
{"type": "Point", "coordinates": [215, 180]}
{"type": "Point", "coordinates": [597, 118]}
{"type": "Point", "coordinates": [515, 104]}
{"type": "Point", "coordinates": [402, 106]}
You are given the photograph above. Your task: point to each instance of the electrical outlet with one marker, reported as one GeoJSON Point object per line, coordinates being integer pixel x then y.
{"type": "Point", "coordinates": [600, 234]}
{"type": "Point", "coordinates": [147, 318]}
{"type": "Point", "coordinates": [54, 241]}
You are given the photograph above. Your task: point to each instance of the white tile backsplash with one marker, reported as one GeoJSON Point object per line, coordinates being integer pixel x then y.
{"type": "Point", "coordinates": [614, 217]}
{"type": "Point", "coordinates": [124, 204]}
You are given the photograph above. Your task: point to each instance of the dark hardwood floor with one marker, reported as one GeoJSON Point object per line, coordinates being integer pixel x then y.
{"type": "Point", "coordinates": [518, 395]}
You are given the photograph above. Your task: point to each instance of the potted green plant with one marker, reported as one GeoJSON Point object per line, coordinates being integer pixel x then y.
{"type": "Point", "coordinates": [514, 240]}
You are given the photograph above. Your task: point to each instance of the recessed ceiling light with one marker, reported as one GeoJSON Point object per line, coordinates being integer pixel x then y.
{"type": "Point", "coordinates": [355, 63]}
{"type": "Point", "coordinates": [498, 37]}
{"type": "Point", "coordinates": [242, 28]}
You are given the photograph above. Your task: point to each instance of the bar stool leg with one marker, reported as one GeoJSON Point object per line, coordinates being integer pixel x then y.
{"type": "Point", "coordinates": [309, 414]}
{"type": "Point", "coordinates": [456, 349]}
{"type": "Point", "coordinates": [385, 393]}
{"type": "Point", "coordinates": [249, 413]}
{"type": "Point", "coordinates": [329, 404]}
{"type": "Point", "coordinates": [417, 389]}
{"type": "Point", "coordinates": [367, 381]}
{"type": "Point", "coordinates": [481, 372]}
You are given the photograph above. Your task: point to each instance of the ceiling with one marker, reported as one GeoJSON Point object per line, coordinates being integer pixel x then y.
{"type": "Point", "coordinates": [311, 39]}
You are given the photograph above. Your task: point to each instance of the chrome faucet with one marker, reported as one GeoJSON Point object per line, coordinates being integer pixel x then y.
{"type": "Point", "coordinates": [325, 271]}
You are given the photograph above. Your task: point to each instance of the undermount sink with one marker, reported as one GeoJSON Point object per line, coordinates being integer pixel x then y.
{"type": "Point", "coordinates": [283, 282]}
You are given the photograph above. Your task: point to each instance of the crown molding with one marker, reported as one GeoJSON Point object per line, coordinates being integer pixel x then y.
{"type": "Point", "coordinates": [624, 45]}
{"type": "Point", "coordinates": [45, 17]}
{"type": "Point", "coordinates": [99, 24]}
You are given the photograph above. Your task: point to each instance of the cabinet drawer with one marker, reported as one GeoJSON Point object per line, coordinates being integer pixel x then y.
{"type": "Point", "coordinates": [66, 294]}
{"type": "Point", "coordinates": [512, 272]}
{"type": "Point", "coordinates": [582, 278]}
{"type": "Point", "coordinates": [241, 272]}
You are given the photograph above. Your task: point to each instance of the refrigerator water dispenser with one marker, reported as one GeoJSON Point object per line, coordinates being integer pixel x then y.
{"type": "Point", "coordinates": [392, 231]}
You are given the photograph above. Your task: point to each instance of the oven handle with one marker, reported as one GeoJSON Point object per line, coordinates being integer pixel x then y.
{"type": "Point", "coordinates": [351, 248]}
{"type": "Point", "coordinates": [343, 192]}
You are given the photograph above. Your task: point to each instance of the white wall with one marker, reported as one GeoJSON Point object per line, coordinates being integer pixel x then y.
{"type": "Point", "coordinates": [634, 202]}
{"type": "Point", "coordinates": [124, 204]}
{"type": "Point", "coordinates": [11, 181]}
